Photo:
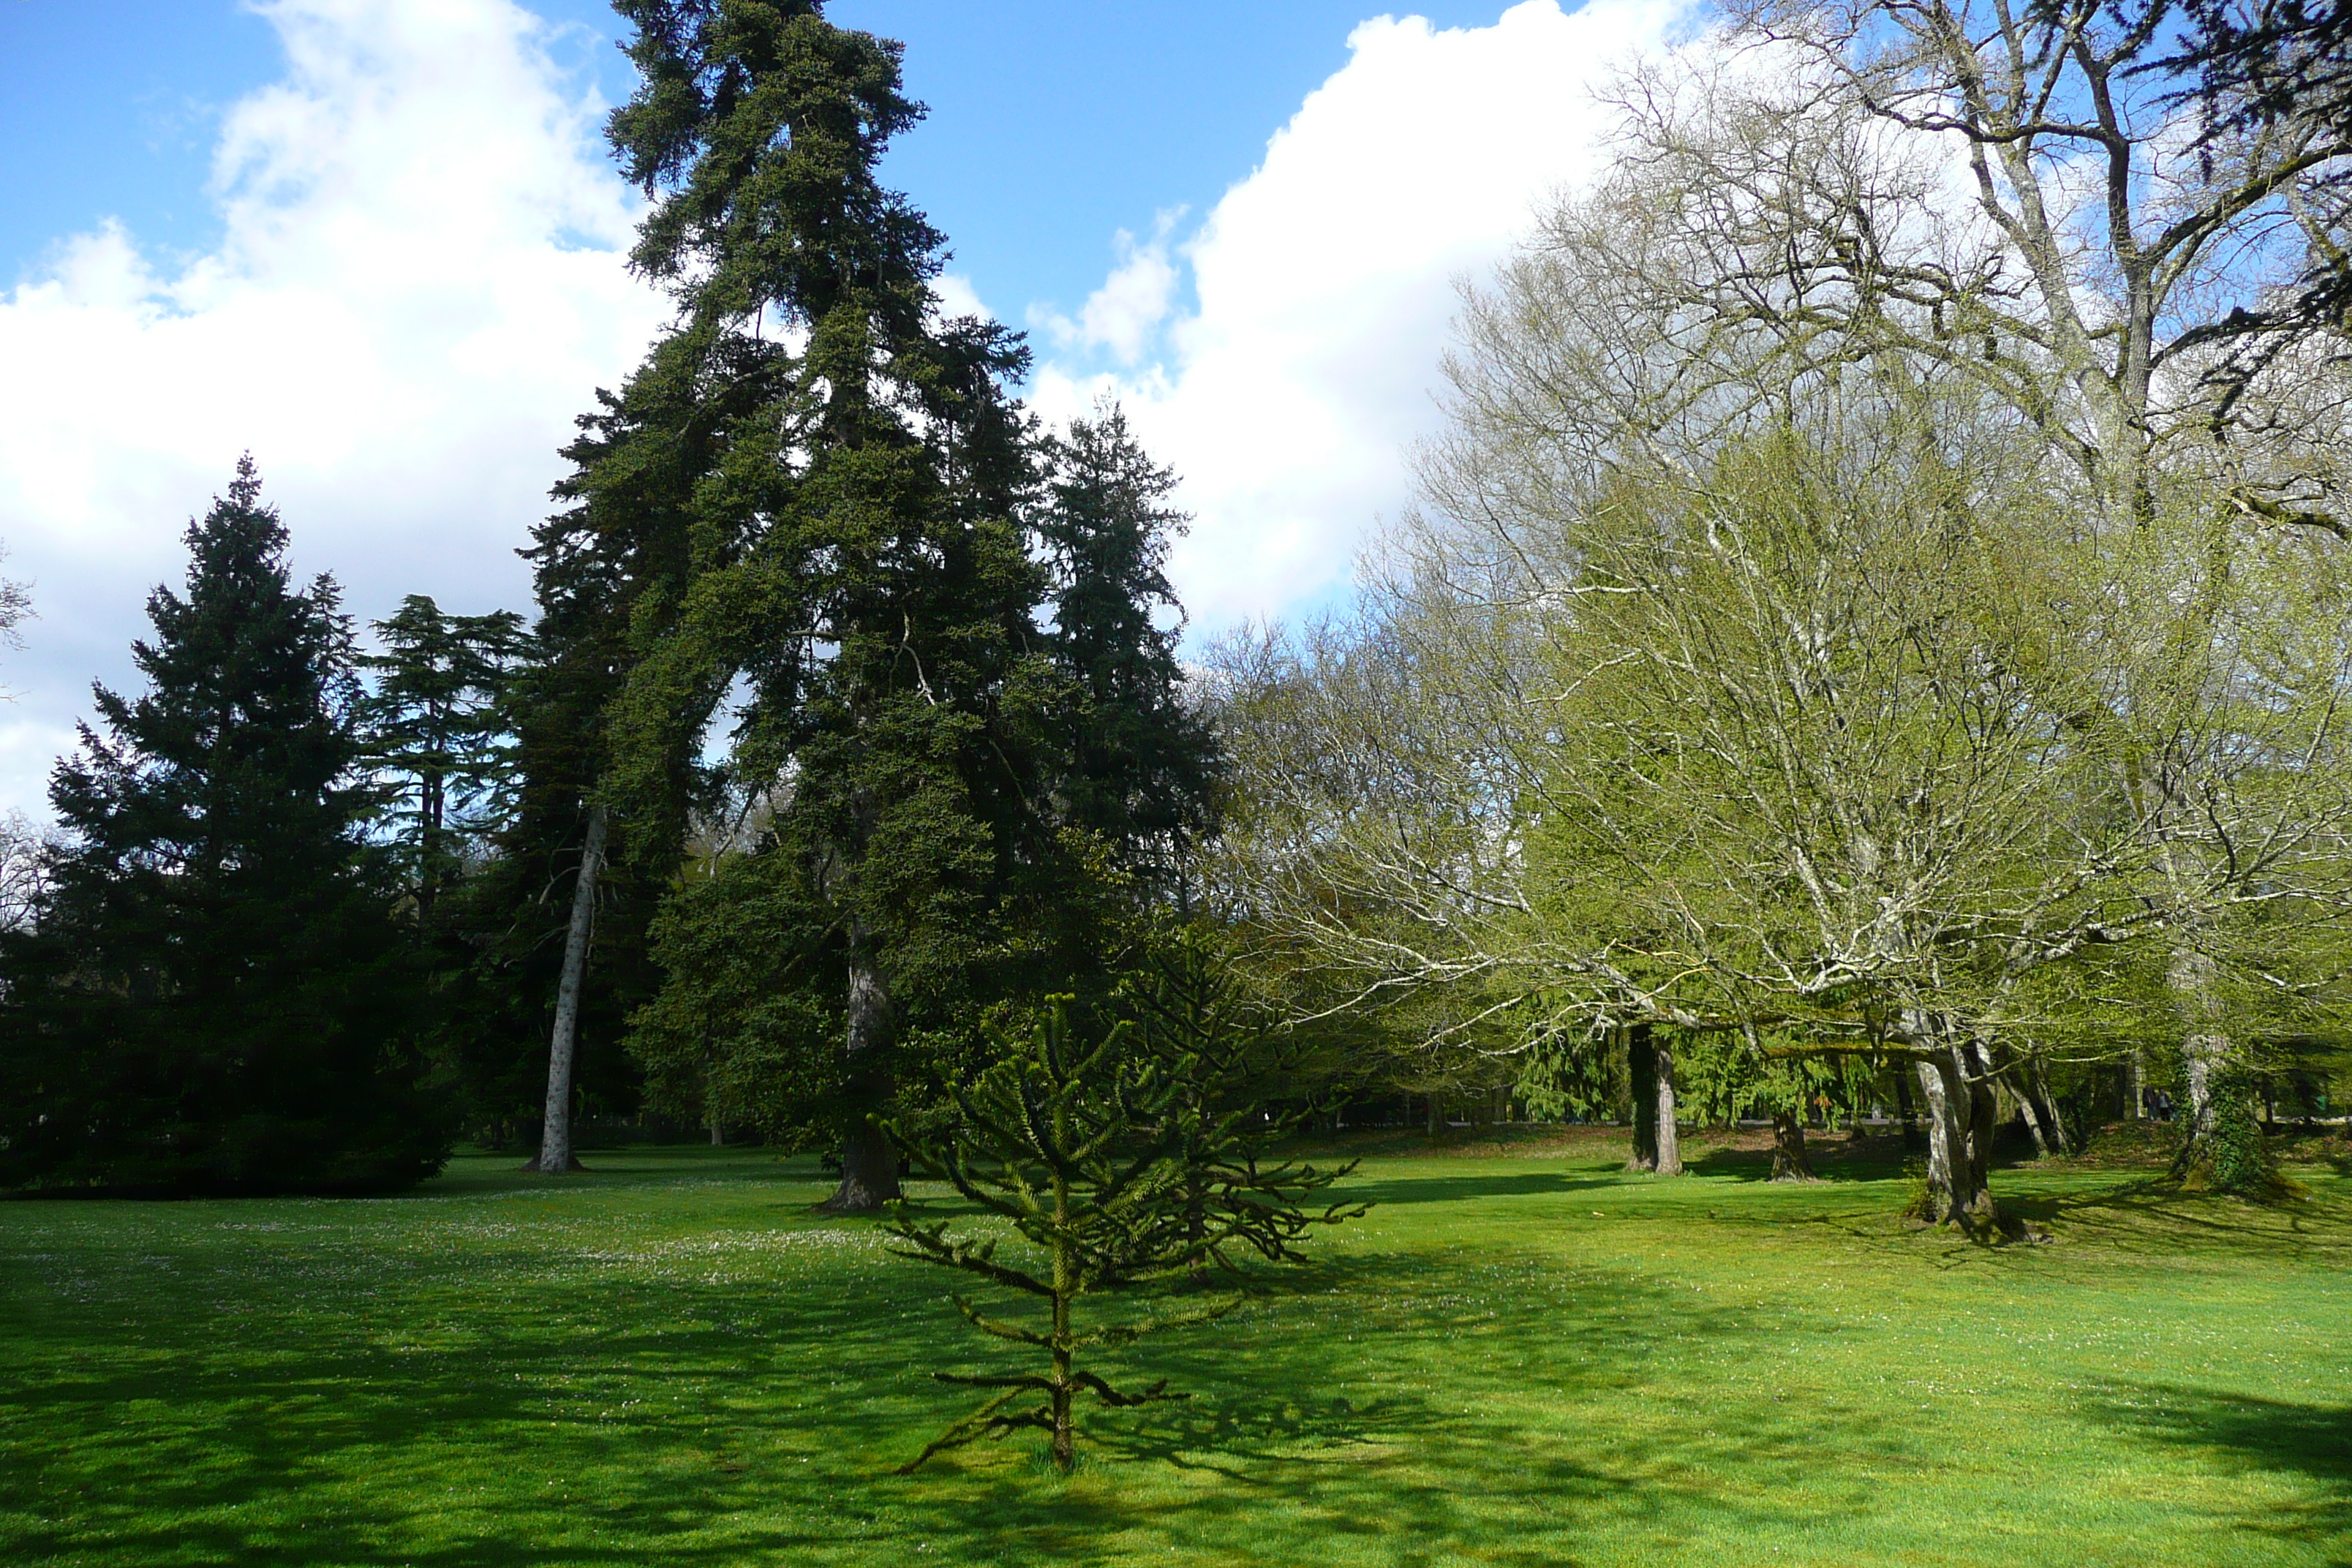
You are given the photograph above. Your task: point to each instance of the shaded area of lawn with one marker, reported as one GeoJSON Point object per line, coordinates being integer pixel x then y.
{"type": "Point", "coordinates": [1511, 1362]}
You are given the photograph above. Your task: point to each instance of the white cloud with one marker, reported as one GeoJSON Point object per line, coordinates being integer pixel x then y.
{"type": "Point", "coordinates": [1127, 312]}
{"type": "Point", "coordinates": [1324, 281]}
{"type": "Point", "coordinates": [421, 282]}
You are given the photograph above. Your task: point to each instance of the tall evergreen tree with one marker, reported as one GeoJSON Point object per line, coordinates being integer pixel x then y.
{"type": "Point", "coordinates": [1137, 767]}
{"type": "Point", "coordinates": [215, 995]}
{"type": "Point", "coordinates": [857, 568]}
{"type": "Point", "coordinates": [608, 567]}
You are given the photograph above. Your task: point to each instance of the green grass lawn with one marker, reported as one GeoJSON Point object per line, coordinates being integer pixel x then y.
{"type": "Point", "coordinates": [1524, 1357]}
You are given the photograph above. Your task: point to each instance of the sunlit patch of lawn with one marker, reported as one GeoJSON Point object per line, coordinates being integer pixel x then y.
{"type": "Point", "coordinates": [1521, 1358]}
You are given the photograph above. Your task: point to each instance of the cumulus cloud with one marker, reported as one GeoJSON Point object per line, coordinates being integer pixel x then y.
{"type": "Point", "coordinates": [1288, 398]}
{"type": "Point", "coordinates": [1127, 312]}
{"type": "Point", "coordinates": [421, 282]}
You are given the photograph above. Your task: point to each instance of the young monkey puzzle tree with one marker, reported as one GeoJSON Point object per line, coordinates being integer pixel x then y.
{"type": "Point", "coordinates": [1081, 1150]}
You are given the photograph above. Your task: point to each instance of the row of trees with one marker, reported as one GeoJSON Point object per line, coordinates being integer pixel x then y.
{"type": "Point", "coordinates": [850, 716]}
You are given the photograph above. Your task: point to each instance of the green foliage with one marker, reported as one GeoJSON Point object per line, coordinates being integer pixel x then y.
{"type": "Point", "coordinates": [840, 471]}
{"type": "Point", "coordinates": [955, 756]}
{"type": "Point", "coordinates": [1083, 1150]}
{"type": "Point", "coordinates": [1139, 766]}
{"type": "Point", "coordinates": [214, 994]}
{"type": "Point", "coordinates": [434, 722]}
{"type": "Point", "coordinates": [1564, 1076]}
{"type": "Point", "coordinates": [1238, 1085]}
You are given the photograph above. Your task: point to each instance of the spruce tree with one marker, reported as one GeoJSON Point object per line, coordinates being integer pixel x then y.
{"type": "Point", "coordinates": [608, 568]}
{"type": "Point", "coordinates": [1138, 768]}
{"type": "Point", "coordinates": [215, 995]}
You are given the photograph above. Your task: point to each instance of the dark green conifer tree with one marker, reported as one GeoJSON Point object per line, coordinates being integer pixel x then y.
{"type": "Point", "coordinates": [608, 570]}
{"type": "Point", "coordinates": [855, 567]}
{"type": "Point", "coordinates": [215, 995]}
{"type": "Point", "coordinates": [1138, 768]}
{"type": "Point", "coordinates": [434, 724]}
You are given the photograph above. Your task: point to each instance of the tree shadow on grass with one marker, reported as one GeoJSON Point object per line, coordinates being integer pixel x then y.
{"type": "Point", "coordinates": [1832, 1161]}
{"type": "Point", "coordinates": [2153, 1215]}
{"type": "Point", "coordinates": [1470, 1188]}
{"type": "Point", "coordinates": [516, 1405]}
{"type": "Point", "coordinates": [2311, 1442]}
{"type": "Point", "coordinates": [1291, 1435]}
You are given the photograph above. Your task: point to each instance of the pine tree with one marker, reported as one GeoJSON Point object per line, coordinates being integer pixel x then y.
{"type": "Point", "coordinates": [216, 995]}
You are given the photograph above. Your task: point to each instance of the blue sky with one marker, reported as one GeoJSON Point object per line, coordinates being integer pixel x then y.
{"type": "Point", "coordinates": [1054, 123]}
{"type": "Point", "coordinates": [379, 244]}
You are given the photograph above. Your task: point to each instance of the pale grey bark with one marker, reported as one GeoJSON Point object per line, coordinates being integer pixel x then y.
{"type": "Point", "coordinates": [2055, 1121]}
{"type": "Point", "coordinates": [1939, 1141]}
{"type": "Point", "coordinates": [555, 1154]}
{"type": "Point", "coordinates": [1959, 1127]}
{"type": "Point", "coordinates": [2205, 1047]}
{"type": "Point", "coordinates": [1670, 1147]}
{"type": "Point", "coordinates": [2033, 1120]}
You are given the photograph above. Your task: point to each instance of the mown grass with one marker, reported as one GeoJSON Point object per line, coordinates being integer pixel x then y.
{"type": "Point", "coordinates": [1522, 1358]}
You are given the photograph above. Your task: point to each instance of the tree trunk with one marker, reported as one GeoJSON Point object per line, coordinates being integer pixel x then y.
{"type": "Point", "coordinates": [1641, 1066]}
{"type": "Point", "coordinates": [555, 1154]}
{"type": "Point", "coordinates": [870, 1166]}
{"type": "Point", "coordinates": [2200, 1054]}
{"type": "Point", "coordinates": [1065, 1285]}
{"type": "Point", "coordinates": [2034, 1106]}
{"type": "Point", "coordinates": [2204, 1054]}
{"type": "Point", "coordinates": [2033, 1120]}
{"type": "Point", "coordinates": [2053, 1119]}
{"type": "Point", "coordinates": [1789, 1162]}
{"type": "Point", "coordinates": [1669, 1145]}
{"type": "Point", "coordinates": [1433, 1116]}
{"type": "Point", "coordinates": [1939, 1141]}
{"type": "Point", "coordinates": [1975, 1064]}
{"type": "Point", "coordinates": [1957, 1193]}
